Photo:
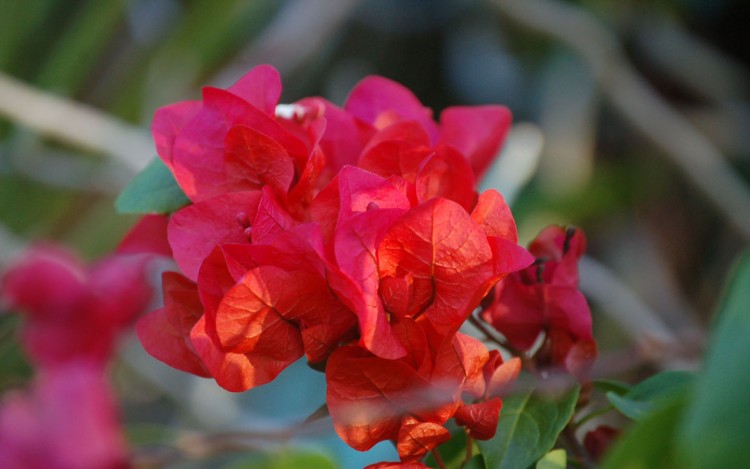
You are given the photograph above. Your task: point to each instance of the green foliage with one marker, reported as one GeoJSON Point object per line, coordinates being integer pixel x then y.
{"type": "Point", "coordinates": [14, 367]}
{"type": "Point", "coordinates": [611, 385]}
{"type": "Point", "coordinates": [453, 453]}
{"type": "Point", "coordinates": [555, 459]}
{"type": "Point", "coordinates": [154, 190]}
{"type": "Point", "coordinates": [716, 429]}
{"type": "Point", "coordinates": [529, 426]}
{"type": "Point", "coordinates": [650, 443]}
{"type": "Point", "coordinates": [83, 40]}
{"type": "Point", "coordinates": [285, 460]}
{"type": "Point", "coordinates": [703, 425]}
{"type": "Point", "coordinates": [646, 395]}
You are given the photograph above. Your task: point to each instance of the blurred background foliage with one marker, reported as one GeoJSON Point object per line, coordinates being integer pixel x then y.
{"type": "Point", "coordinates": [660, 245]}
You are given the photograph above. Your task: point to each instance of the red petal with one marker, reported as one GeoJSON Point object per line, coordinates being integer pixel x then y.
{"type": "Point", "coordinates": [407, 131]}
{"type": "Point", "coordinates": [148, 235]}
{"type": "Point", "coordinates": [459, 364]}
{"type": "Point", "coordinates": [165, 333]}
{"type": "Point", "coordinates": [254, 160]}
{"type": "Point", "coordinates": [397, 465]}
{"type": "Point", "coordinates": [341, 142]}
{"type": "Point", "coordinates": [517, 312]}
{"type": "Point", "coordinates": [494, 216]}
{"type": "Point", "coordinates": [395, 157]}
{"type": "Point", "coordinates": [376, 95]}
{"type": "Point", "coordinates": [446, 174]}
{"type": "Point", "coordinates": [254, 317]}
{"type": "Point", "coordinates": [356, 239]}
{"type": "Point", "coordinates": [368, 396]}
{"type": "Point", "coordinates": [480, 419]}
{"type": "Point", "coordinates": [477, 132]}
{"type": "Point", "coordinates": [167, 125]}
{"type": "Point", "coordinates": [198, 153]}
{"type": "Point", "coordinates": [501, 378]}
{"type": "Point", "coordinates": [195, 230]}
{"type": "Point", "coordinates": [271, 220]}
{"type": "Point", "coordinates": [261, 87]}
{"type": "Point", "coordinates": [415, 439]}
{"type": "Point", "coordinates": [234, 372]}
{"type": "Point", "coordinates": [439, 244]}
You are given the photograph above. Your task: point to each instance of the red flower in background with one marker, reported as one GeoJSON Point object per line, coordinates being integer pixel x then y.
{"type": "Point", "coordinates": [544, 298]}
{"type": "Point", "coordinates": [73, 311]}
{"type": "Point", "coordinates": [67, 420]}
{"type": "Point", "coordinates": [73, 316]}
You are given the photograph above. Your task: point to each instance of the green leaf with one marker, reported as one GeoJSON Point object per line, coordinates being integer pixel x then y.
{"type": "Point", "coordinates": [452, 452]}
{"type": "Point", "coordinates": [154, 190]}
{"type": "Point", "coordinates": [650, 442]}
{"type": "Point", "coordinates": [529, 426]}
{"type": "Point", "coordinates": [555, 459]}
{"type": "Point", "coordinates": [286, 460]}
{"type": "Point", "coordinates": [716, 429]}
{"type": "Point", "coordinates": [476, 462]}
{"type": "Point", "coordinates": [646, 395]}
{"type": "Point", "coordinates": [611, 385]}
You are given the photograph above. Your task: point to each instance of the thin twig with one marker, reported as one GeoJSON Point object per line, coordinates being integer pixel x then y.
{"type": "Point", "coordinates": [74, 123]}
{"type": "Point", "coordinates": [438, 458]}
{"type": "Point", "coordinates": [569, 436]}
{"type": "Point", "coordinates": [694, 154]}
{"type": "Point", "coordinates": [479, 324]}
{"type": "Point", "coordinates": [297, 34]}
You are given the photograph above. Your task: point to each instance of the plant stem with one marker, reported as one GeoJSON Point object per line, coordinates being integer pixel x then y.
{"type": "Point", "coordinates": [479, 324]}
{"type": "Point", "coordinates": [469, 449]}
{"type": "Point", "coordinates": [569, 436]}
{"type": "Point", "coordinates": [593, 414]}
{"type": "Point", "coordinates": [438, 458]}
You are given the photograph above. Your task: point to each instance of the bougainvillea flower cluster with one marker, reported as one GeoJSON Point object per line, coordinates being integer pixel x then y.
{"type": "Point", "coordinates": [544, 300]}
{"type": "Point", "coordinates": [73, 318]}
{"type": "Point", "coordinates": [353, 236]}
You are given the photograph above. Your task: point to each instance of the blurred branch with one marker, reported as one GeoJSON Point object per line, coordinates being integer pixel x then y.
{"type": "Point", "coordinates": [654, 339]}
{"type": "Point", "coordinates": [200, 446]}
{"type": "Point", "coordinates": [66, 170]}
{"type": "Point", "coordinates": [296, 35]}
{"type": "Point", "coordinates": [636, 100]}
{"type": "Point", "coordinates": [74, 123]}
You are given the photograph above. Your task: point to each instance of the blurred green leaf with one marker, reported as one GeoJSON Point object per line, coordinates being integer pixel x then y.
{"type": "Point", "coordinates": [716, 430]}
{"type": "Point", "coordinates": [39, 208]}
{"type": "Point", "coordinates": [555, 459]}
{"type": "Point", "coordinates": [154, 190]}
{"type": "Point", "coordinates": [649, 443]}
{"type": "Point", "coordinates": [453, 452]}
{"type": "Point", "coordinates": [646, 395]}
{"type": "Point", "coordinates": [529, 426]}
{"type": "Point", "coordinates": [288, 460]}
{"type": "Point", "coordinates": [611, 385]}
{"type": "Point", "coordinates": [76, 50]}
{"type": "Point", "coordinates": [14, 366]}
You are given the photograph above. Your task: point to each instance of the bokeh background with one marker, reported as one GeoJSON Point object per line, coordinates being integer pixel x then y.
{"type": "Point", "coordinates": [632, 121]}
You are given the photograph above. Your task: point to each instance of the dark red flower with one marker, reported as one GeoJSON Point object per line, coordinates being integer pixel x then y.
{"type": "Point", "coordinates": [544, 298]}
{"type": "Point", "coordinates": [599, 440]}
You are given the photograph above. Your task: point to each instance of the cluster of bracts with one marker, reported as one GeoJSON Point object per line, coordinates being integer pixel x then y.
{"type": "Point", "coordinates": [354, 236]}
